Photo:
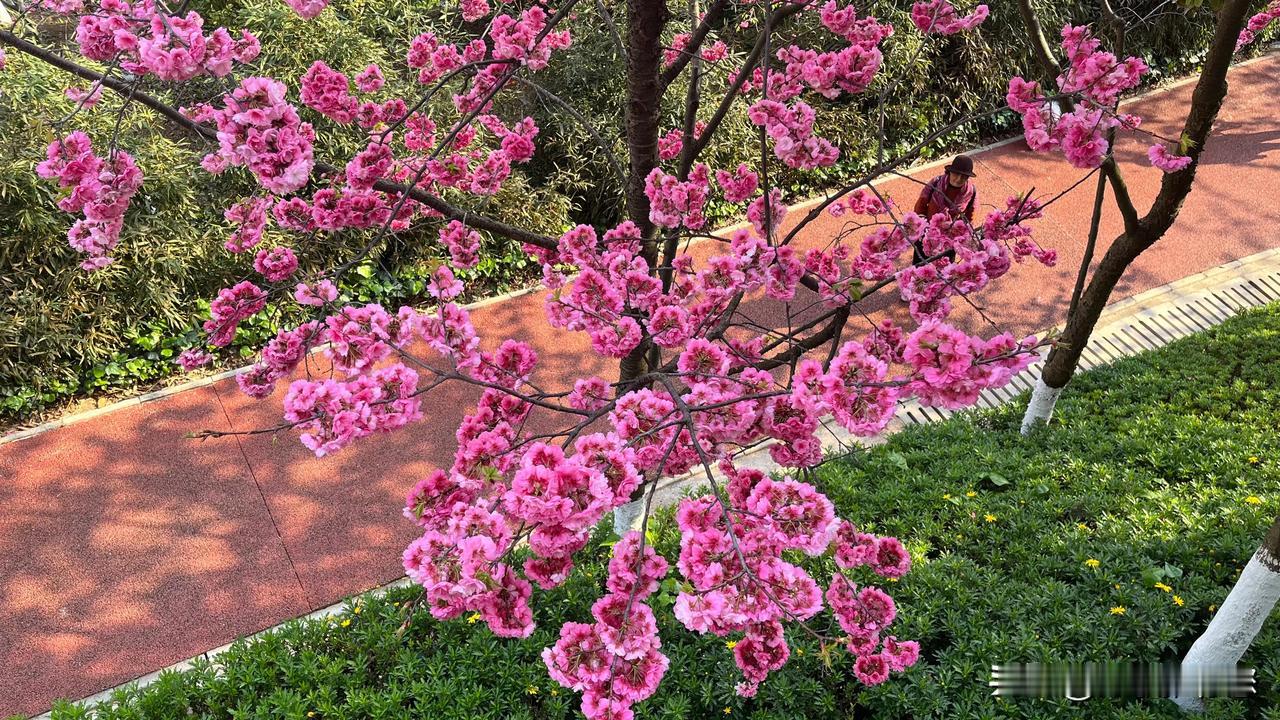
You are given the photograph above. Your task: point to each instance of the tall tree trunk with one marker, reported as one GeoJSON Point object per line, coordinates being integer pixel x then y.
{"type": "Point", "coordinates": [644, 100]}
{"type": "Point", "coordinates": [646, 20]}
{"type": "Point", "coordinates": [1239, 619]}
{"type": "Point", "coordinates": [1140, 233]}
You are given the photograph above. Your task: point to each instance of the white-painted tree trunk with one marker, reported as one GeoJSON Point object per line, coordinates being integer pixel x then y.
{"type": "Point", "coordinates": [1040, 409]}
{"type": "Point", "coordinates": [1235, 625]}
{"type": "Point", "coordinates": [627, 517]}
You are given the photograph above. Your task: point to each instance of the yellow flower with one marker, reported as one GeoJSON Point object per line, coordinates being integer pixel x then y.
{"type": "Point", "coordinates": [531, 690]}
{"type": "Point", "coordinates": [1117, 586]}
{"type": "Point", "coordinates": [1118, 610]}
{"type": "Point", "coordinates": [989, 517]}
{"type": "Point", "coordinates": [311, 713]}
{"type": "Point", "coordinates": [731, 644]}
{"type": "Point", "coordinates": [475, 617]}
{"type": "Point", "coordinates": [1082, 526]}
{"type": "Point", "coordinates": [346, 622]}
{"type": "Point", "coordinates": [893, 579]}
{"type": "Point", "coordinates": [800, 651]}
{"type": "Point", "coordinates": [946, 496]}
{"type": "Point", "coordinates": [1253, 500]}
{"type": "Point", "coordinates": [1162, 586]}
{"type": "Point", "coordinates": [357, 610]}
{"type": "Point", "coordinates": [1092, 563]}
{"type": "Point", "coordinates": [1253, 459]}
{"type": "Point", "coordinates": [1178, 601]}
{"type": "Point", "coordinates": [971, 493]}
{"type": "Point", "coordinates": [1212, 608]}
{"type": "Point", "coordinates": [728, 711]}
{"type": "Point", "coordinates": [554, 692]}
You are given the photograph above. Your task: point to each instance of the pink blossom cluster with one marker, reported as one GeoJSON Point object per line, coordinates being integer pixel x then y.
{"type": "Point", "coordinates": [952, 368]}
{"type": "Point", "coordinates": [278, 359]}
{"type": "Point", "coordinates": [149, 42]}
{"type": "Point", "coordinates": [496, 495]}
{"type": "Point", "coordinates": [192, 358]}
{"type": "Point", "coordinates": [259, 130]}
{"type": "Point", "coordinates": [526, 39]}
{"type": "Point", "coordinates": [848, 70]}
{"type": "Point", "coordinates": [831, 72]}
{"type": "Point", "coordinates": [939, 16]}
{"type": "Point", "coordinates": [1160, 157]}
{"type": "Point", "coordinates": [250, 217]}
{"type": "Point", "coordinates": [332, 413]}
{"type": "Point", "coordinates": [980, 258]}
{"type": "Point", "coordinates": [84, 98]}
{"type": "Point", "coordinates": [307, 9]}
{"type": "Point", "coordinates": [232, 305]}
{"type": "Point", "coordinates": [1257, 24]}
{"type": "Point", "coordinates": [328, 92]}
{"type": "Point", "coordinates": [737, 581]}
{"type": "Point", "coordinates": [1097, 78]}
{"type": "Point", "coordinates": [615, 662]}
{"type": "Point", "coordinates": [100, 189]}
{"type": "Point", "coordinates": [674, 203]}
{"type": "Point", "coordinates": [791, 129]}
{"type": "Point", "coordinates": [433, 59]}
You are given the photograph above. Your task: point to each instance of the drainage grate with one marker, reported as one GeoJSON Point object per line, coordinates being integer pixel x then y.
{"type": "Point", "coordinates": [1147, 330]}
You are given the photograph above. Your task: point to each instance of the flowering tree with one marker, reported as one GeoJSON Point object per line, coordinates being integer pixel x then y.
{"type": "Point", "coordinates": [1095, 79]}
{"type": "Point", "coordinates": [700, 381]}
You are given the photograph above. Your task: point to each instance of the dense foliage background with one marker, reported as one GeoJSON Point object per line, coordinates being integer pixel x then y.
{"type": "Point", "coordinates": [65, 333]}
{"type": "Point", "coordinates": [1112, 536]}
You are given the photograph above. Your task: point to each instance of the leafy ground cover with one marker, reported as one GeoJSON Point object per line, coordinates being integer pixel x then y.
{"type": "Point", "coordinates": [1113, 534]}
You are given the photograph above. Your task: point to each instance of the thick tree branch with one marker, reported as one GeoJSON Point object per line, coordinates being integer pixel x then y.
{"type": "Point", "coordinates": [1040, 47]}
{"type": "Point", "coordinates": [1123, 202]}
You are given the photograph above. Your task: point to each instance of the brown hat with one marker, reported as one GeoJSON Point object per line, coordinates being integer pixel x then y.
{"type": "Point", "coordinates": [962, 165]}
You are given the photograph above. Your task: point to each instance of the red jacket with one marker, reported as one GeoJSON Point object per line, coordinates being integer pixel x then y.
{"type": "Point", "coordinates": [938, 196]}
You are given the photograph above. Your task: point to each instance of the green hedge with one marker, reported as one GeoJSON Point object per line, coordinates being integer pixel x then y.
{"type": "Point", "coordinates": [64, 334]}
{"type": "Point", "coordinates": [1149, 470]}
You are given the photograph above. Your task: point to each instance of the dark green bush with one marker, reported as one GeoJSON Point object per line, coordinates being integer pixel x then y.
{"type": "Point", "coordinates": [1149, 471]}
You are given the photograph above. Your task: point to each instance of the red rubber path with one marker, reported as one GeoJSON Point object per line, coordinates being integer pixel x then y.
{"type": "Point", "coordinates": [125, 547]}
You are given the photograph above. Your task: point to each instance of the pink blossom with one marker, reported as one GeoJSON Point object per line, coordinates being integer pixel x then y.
{"type": "Point", "coordinates": [276, 264]}
{"type": "Point", "coordinates": [230, 307]}
{"type": "Point", "coordinates": [871, 669]}
{"type": "Point", "coordinates": [307, 9]}
{"type": "Point", "coordinates": [316, 294]}
{"type": "Point", "coordinates": [1160, 157]}
{"type": "Point", "coordinates": [463, 244]}
{"type": "Point", "coordinates": [100, 189]}
{"type": "Point", "coordinates": [938, 16]}
{"type": "Point", "coordinates": [192, 358]}
{"type": "Point", "coordinates": [370, 79]}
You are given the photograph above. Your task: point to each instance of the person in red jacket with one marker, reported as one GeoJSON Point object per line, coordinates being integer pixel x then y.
{"type": "Point", "coordinates": [951, 193]}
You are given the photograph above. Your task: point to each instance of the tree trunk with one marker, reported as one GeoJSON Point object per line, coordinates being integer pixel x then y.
{"type": "Point", "coordinates": [644, 96]}
{"type": "Point", "coordinates": [1238, 621]}
{"type": "Point", "coordinates": [644, 101]}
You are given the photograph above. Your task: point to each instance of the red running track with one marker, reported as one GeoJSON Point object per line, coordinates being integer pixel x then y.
{"type": "Point", "coordinates": [125, 547]}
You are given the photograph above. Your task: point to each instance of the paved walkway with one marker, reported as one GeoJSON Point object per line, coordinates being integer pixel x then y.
{"type": "Point", "coordinates": [125, 547]}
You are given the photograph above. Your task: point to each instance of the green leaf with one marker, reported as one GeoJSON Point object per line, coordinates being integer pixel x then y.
{"type": "Point", "coordinates": [898, 459]}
